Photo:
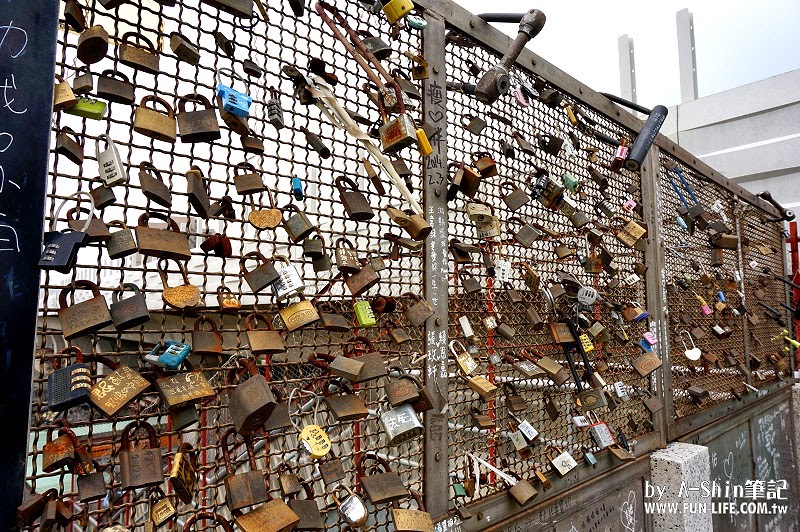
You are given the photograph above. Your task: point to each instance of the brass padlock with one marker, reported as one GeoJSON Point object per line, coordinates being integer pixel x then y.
{"type": "Point", "coordinates": [361, 281]}
{"type": "Point", "coordinates": [85, 317]}
{"type": "Point", "coordinates": [307, 510]}
{"type": "Point", "coordinates": [470, 284]}
{"type": "Point", "coordinates": [200, 125]}
{"type": "Point", "coordinates": [63, 97]}
{"type": "Point", "coordinates": [97, 231]}
{"type": "Point", "coordinates": [355, 203]}
{"type": "Point", "coordinates": [183, 473]}
{"type": "Point", "coordinates": [129, 312]}
{"type": "Point", "coordinates": [480, 420]}
{"type": "Point", "coordinates": [299, 314]}
{"type": "Point", "coordinates": [346, 257]}
{"type": "Point", "coordinates": [92, 45]}
{"type": "Point", "coordinates": [396, 333]}
{"type": "Point", "coordinates": [646, 364]}
{"type": "Point", "coordinates": [515, 199]}
{"type": "Point", "coordinates": [114, 391]}
{"type": "Point", "coordinates": [182, 296]}
{"type": "Point", "coordinates": [481, 386]}
{"type": "Point", "coordinates": [263, 342]}
{"type": "Point", "coordinates": [154, 124]}
{"type": "Point", "coordinates": [527, 234]}
{"type": "Point", "coordinates": [262, 276]}
{"type": "Point", "coordinates": [331, 320]}
{"type": "Point", "coordinates": [397, 133]}
{"type": "Point", "coordinates": [182, 389]}
{"type": "Point", "coordinates": [59, 452]}
{"type": "Point", "coordinates": [242, 490]}
{"type": "Point", "coordinates": [103, 196]}
{"type": "Point", "coordinates": [142, 56]}
{"type": "Point", "coordinates": [161, 508]}
{"type": "Point", "coordinates": [143, 467]}
{"type": "Point", "coordinates": [400, 390]}
{"type": "Point", "coordinates": [514, 401]}
{"type": "Point", "coordinates": [630, 233]}
{"type": "Point", "coordinates": [418, 312]}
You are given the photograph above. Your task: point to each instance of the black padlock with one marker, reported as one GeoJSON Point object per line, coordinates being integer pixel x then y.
{"type": "Point", "coordinates": [129, 312]}
{"type": "Point", "coordinates": [69, 386]}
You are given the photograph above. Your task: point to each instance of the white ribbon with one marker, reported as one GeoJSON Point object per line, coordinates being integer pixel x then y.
{"type": "Point", "coordinates": [505, 476]}
{"type": "Point", "coordinates": [338, 116]}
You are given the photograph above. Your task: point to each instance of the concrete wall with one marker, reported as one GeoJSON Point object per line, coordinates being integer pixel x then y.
{"type": "Point", "coordinates": [751, 134]}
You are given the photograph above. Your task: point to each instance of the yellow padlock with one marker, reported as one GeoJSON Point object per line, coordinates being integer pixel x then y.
{"type": "Point", "coordinates": [423, 144]}
{"type": "Point", "coordinates": [314, 440]}
{"type": "Point", "coordinates": [397, 9]}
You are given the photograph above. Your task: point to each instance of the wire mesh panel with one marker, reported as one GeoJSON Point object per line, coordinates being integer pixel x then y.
{"type": "Point", "coordinates": [765, 293]}
{"type": "Point", "coordinates": [253, 165]}
{"type": "Point", "coordinates": [529, 136]}
{"type": "Point", "coordinates": [703, 292]}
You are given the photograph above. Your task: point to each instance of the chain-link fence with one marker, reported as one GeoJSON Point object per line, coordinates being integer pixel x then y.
{"type": "Point", "coordinates": [563, 234]}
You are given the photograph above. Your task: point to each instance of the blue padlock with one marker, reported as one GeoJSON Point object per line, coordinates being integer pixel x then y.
{"type": "Point", "coordinates": [682, 223]}
{"type": "Point", "coordinates": [646, 347]}
{"type": "Point", "coordinates": [720, 297]}
{"type": "Point", "coordinates": [297, 188]}
{"type": "Point", "coordinates": [172, 356]}
{"type": "Point", "coordinates": [234, 102]}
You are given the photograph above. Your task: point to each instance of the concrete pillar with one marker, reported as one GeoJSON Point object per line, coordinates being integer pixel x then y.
{"type": "Point", "coordinates": [796, 423]}
{"type": "Point", "coordinates": [674, 470]}
{"type": "Point", "coordinates": [687, 61]}
{"type": "Point", "coordinates": [627, 68]}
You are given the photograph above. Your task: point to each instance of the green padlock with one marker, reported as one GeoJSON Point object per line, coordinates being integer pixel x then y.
{"type": "Point", "coordinates": [459, 490]}
{"type": "Point", "coordinates": [88, 107]}
{"type": "Point", "coordinates": [364, 314]}
{"type": "Point", "coordinates": [570, 182]}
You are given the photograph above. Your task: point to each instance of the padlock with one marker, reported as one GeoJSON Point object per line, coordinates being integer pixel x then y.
{"type": "Point", "coordinates": [91, 484]}
{"type": "Point", "coordinates": [297, 226]}
{"type": "Point", "coordinates": [400, 390]}
{"type": "Point", "coordinates": [252, 142]}
{"type": "Point", "coordinates": [112, 171]}
{"type": "Point", "coordinates": [380, 483]}
{"type": "Point", "coordinates": [481, 421]}
{"type": "Point", "coordinates": [153, 187]}
{"type": "Point", "coordinates": [401, 424]}
{"type": "Point", "coordinates": [418, 312]}
{"type": "Point", "coordinates": [160, 509]}
{"type": "Point", "coordinates": [232, 101]}
{"type": "Point", "coordinates": [355, 203]}
{"type": "Point", "coordinates": [85, 317]}
{"type": "Point", "coordinates": [527, 234]}
{"type": "Point", "coordinates": [331, 320]}
{"type": "Point", "coordinates": [115, 86]}
{"type": "Point", "coordinates": [251, 402]}
{"type": "Point", "coordinates": [299, 314]}
{"type": "Point", "coordinates": [164, 243]}
{"type": "Point", "coordinates": [396, 333]}
{"type": "Point", "coordinates": [481, 386]}
{"type": "Point", "coordinates": [485, 164]}
{"type": "Point", "coordinates": [514, 401]}
{"type": "Point", "coordinates": [646, 364]}
{"type": "Point", "coordinates": [140, 468]}
{"type": "Point", "coordinates": [205, 342]}
{"type": "Point", "coordinates": [183, 49]}
{"type": "Point", "coordinates": [630, 233]}
{"type": "Point", "coordinates": [129, 312]}
{"type": "Point", "coordinates": [315, 142]}
{"type": "Point", "coordinates": [274, 109]}
{"type": "Point", "coordinates": [68, 386]}
{"type": "Point", "coordinates": [351, 509]}
{"type": "Point", "coordinates": [182, 389]}
{"type": "Point", "coordinates": [310, 517]}
{"type": "Point", "coordinates": [412, 520]}
{"type": "Point", "coordinates": [242, 490]}
{"type": "Point", "coordinates": [182, 296]}
{"type": "Point", "coordinates": [92, 45]}
{"type": "Point", "coordinates": [651, 402]}
{"type": "Point", "coordinates": [262, 276]}
{"type": "Point", "coordinates": [473, 124]}
{"type": "Point", "coordinates": [488, 229]}
{"type": "Point", "coordinates": [102, 196]}
{"type": "Point", "coordinates": [83, 82]}
{"type": "Point", "coordinates": [464, 360]}
{"type": "Point", "coordinates": [182, 475]}
{"type": "Point", "coordinates": [88, 107]}
{"type": "Point", "coordinates": [247, 179]}
{"type": "Point", "coordinates": [200, 125]}
{"type": "Point", "coordinates": [223, 524]}
{"type": "Point", "coordinates": [515, 199]}
{"type": "Point", "coordinates": [237, 8]}
{"type": "Point", "coordinates": [346, 257]}
{"type": "Point", "coordinates": [114, 391]}
{"type": "Point", "coordinates": [634, 313]}
{"type": "Point", "coordinates": [600, 432]}
{"type": "Point", "coordinates": [59, 452]}
{"type": "Point", "coordinates": [142, 56]}
{"type": "Point", "coordinates": [33, 506]}
{"type": "Point", "coordinates": [469, 283]}
{"type": "Point", "coordinates": [289, 282]}
{"type": "Point", "coordinates": [364, 314]}
{"type": "Point", "coordinates": [155, 124]}
{"type": "Point", "coordinates": [97, 230]}
{"type": "Point", "coordinates": [227, 300]}
{"type": "Point", "coordinates": [415, 225]}
{"type": "Point", "coordinates": [467, 180]}
{"type": "Point", "coordinates": [563, 462]}
{"type": "Point", "coordinates": [70, 146]}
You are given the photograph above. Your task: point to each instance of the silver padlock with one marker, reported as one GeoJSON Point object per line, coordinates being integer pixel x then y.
{"type": "Point", "coordinates": [466, 327]}
{"type": "Point", "coordinates": [274, 109]}
{"type": "Point", "coordinates": [587, 295]}
{"type": "Point", "coordinates": [502, 270]}
{"type": "Point", "coordinates": [401, 424]}
{"type": "Point", "coordinates": [112, 171]}
{"type": "Point", "coordinates": [600, 432]}
{"type": "Point", "coordinates": [622, 391]}
{"type": "Point", "coordinates": [351, 508]}
{"type": "Point", "coordinates": [563, 462]}
{"type": "Point", "coordinates": [525, 428]}
{"type": "Point", "coordinates": [289, 282]}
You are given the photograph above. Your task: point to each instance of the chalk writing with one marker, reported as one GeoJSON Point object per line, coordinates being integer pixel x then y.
{"type": "Point", "coordinates": [15, 38]}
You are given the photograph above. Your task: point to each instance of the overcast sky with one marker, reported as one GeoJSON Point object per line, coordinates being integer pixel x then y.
{"type": "Point", "coordinates": [737, 42]}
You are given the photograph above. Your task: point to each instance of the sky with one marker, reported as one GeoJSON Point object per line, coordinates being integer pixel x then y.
{"type": "Point", "coordinates": [736, 42]}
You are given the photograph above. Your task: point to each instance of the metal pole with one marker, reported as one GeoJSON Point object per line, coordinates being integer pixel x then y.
{"type": "Point", "coordinates": [436, 267]}
{"type": "Point", "coordinates": [27, 64]}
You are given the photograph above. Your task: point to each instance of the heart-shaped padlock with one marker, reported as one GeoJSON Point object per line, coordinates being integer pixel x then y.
{"type": "Point", "coordinates": [694, 353]}
{"type": "Point", "coordinates": [265, 218]}
{"type": "Point", "coordinates": [181, 296]}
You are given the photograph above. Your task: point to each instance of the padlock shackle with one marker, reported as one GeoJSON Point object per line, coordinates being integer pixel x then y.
{"type": "Point", "coordinates": [208, 516]}
{"type": "Point", "coordinates": [203, 320]}
{"type": "Point", "coordinates": [70, 289]}
{"type": "Point", "coordinates": [130, 430]}
{"type": "Point", "coordinates": [248, 443]}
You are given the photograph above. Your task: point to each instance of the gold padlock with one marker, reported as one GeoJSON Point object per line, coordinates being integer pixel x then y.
{"type": "Point", "coordinates": [63, 97]}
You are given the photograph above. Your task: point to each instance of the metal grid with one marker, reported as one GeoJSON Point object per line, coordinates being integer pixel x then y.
{"type": "Point", "coordinates": [631, 416]}
{"type": "Point", "coordinates": [762, 261]}
{"type": "Point", "coordinates": [285, 40]}
{"type": "Point", "coordinates": [687, 258]}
